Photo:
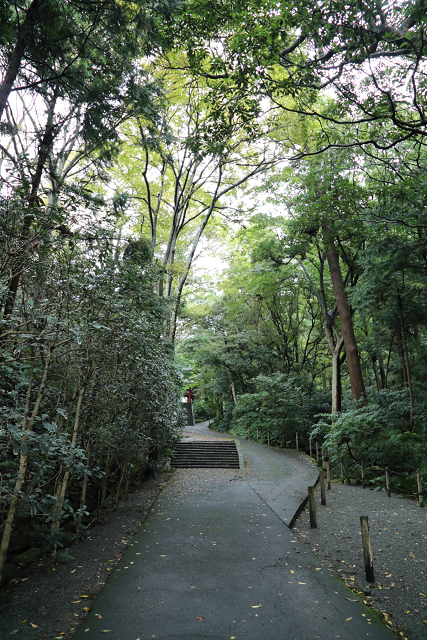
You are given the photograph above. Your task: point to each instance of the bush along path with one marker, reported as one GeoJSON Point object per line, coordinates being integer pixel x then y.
{"type": "Point", "coordinates": [51, 601]}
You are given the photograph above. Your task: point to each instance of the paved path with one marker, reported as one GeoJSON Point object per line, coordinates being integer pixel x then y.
{"type": "Point", "coordinates": [214, 560]}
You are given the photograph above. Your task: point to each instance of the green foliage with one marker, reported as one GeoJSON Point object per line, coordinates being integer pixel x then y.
{"type": "Point", "coordinates": [281, 406]}
{"type": "Point", "coordinates": [374, 434]}
{"type": "Point", "coordinates": [85, 323]}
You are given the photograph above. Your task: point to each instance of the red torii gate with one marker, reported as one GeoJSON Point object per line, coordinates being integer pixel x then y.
{"type": "Point", "coordinates": [189, 394]}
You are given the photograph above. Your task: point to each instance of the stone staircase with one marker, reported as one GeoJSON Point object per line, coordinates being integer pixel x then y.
{"type": "Point", "coordinates": [206, 454]}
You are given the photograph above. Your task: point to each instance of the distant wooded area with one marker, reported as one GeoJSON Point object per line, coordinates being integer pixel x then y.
{"type": "Point", "coordinates": [138, 139]}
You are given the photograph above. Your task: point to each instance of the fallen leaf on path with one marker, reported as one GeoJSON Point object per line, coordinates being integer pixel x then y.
{"type": "Point", "coordinates": [105, 630]}
{"type": "Point", "coordinates": [163, 556]}
{"type": "Point", "coordinates": [255, 606]}
{"type": "Point", "coordinates": [348, 619]}
{"type": "Point", "coordinates": [35, 626]}
{"type": "Point", "coordinates": [199, 618]}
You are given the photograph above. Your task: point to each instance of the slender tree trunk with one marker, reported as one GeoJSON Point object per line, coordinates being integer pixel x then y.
{"type": "Point", "coordinates": [23, 462]}
{"type": "Point", "coordinates": [336, 379]}
{"type": "Point", "coordinates": [127, 481]}
{"type": "Point", "coordinates": [43, 154]}
{"type": "Point", "coordinates": [103, 491]}
{"type": "Point", "coordinates": [376, 372]}
{"type": "Point", "coordinates": [24, 33]}
{"type": "Point", "coordinates": [119, 484]}
{"type": "Point", "coordinates": [406, 361]}
{"type": "Point", "coordinates": [233, 390]}
{"type": "Point", "coordinates": [335, 349]}
{"type": "Point", "coordinates": [56, 518]}
{"type": "Point", "coordinates": [353, 359]}
{"type": "Point", "coordinates": [382, 371]}
{"type": "Point", "coordinates": [83, 493]}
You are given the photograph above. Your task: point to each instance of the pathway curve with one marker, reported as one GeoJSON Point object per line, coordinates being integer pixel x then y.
{"type": "Point", "coordinates": [214, 560]}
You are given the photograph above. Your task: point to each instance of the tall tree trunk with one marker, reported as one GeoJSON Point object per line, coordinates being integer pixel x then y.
{"type": "Point", "coordinates": [406, 362]}
{"type": "Point", "coordinates": [233, 389]}
{"type": "Point", "coordinates": [56, 517]}
{"type": "Point", "coordinates": [382, 371]}
{"type": "Point", "coordinates": [24, 33]}
{"type": "Point", "coordinates": [376, 373]}
{"type": "Point", "coordinates": [43, 154]}
{"type": "Point", "coordinates": [83, 493]}
{"type": "Point", "coordinates": [335, 350]}
{"type": "Point", "coordinates": [23, 462]}
{"type": "Point", "coordinates": [353, 359]}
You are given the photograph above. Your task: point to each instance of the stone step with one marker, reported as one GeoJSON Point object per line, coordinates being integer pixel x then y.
{"type": "Point", "coordinates": [206, 454]}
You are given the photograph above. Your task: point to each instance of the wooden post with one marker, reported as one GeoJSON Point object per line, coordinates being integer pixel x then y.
{"type": "Point", "coordinates": [328, 472]}
{"type": "Point", "coordinates": [257, 435]}
{"type": "Point", "coordinates": [342, 472]}
{"type": "Point", "coordinates": [420, 490]}
{"type": "Point", "coordinates": [296, 440]}
{"type": "Point", "coordinates": [317, 452]}
{"type": "Point", "coordinates": [322, 488]}
{"type": "Point", "coordinates": [362, 471]}
{"type": "Point", "coordinates": [367, 549]}
{"type": "Point", "coordinates": [312, 507]}
{"type": "Point", "coordinates": [311, 449]}
{"type": "Point", "coordinates": [249, 433]}
{"type": "Point", "coordinates": [387, 481]}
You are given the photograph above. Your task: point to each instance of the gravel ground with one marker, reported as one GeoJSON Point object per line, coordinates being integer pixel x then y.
{"type": "Point", "coordinates": [50, 603]}
{"type": "Point", "coordinates": [398, 530]}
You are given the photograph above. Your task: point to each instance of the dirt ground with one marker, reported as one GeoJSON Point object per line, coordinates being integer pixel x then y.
{"type": "Point", "coordinates": [51, 602]}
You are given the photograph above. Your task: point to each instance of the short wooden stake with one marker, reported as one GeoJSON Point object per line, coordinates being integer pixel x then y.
{"type": "Point", "coordinates": [311, 449]}
{"type": "Point", "coordinates": [420, 490]}
{"type": "Point", "coordinates": [312, 508]}
{"type": "Point", "coordinates": [328, 472]}
{"type": "Point", "coordinates": [317, 452]}
{"type": "Point", "coordinates": [367, 549]}
{"type": "Point", "coordinates": [387, 482]}
{"type": "Point", "coordinates": [257, 434]}
{"type": "Point", "coordinates": [322, 488]}
{"type": "Point", "coordinates": [362, 471]}
{"type": "Point", "coordinates": [342, 472]}
{"type": "Point", "coordinates": [296, 440]}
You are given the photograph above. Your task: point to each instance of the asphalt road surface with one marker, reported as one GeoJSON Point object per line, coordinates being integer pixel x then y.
{"type": "Point", "coordinates": [215, 560]}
